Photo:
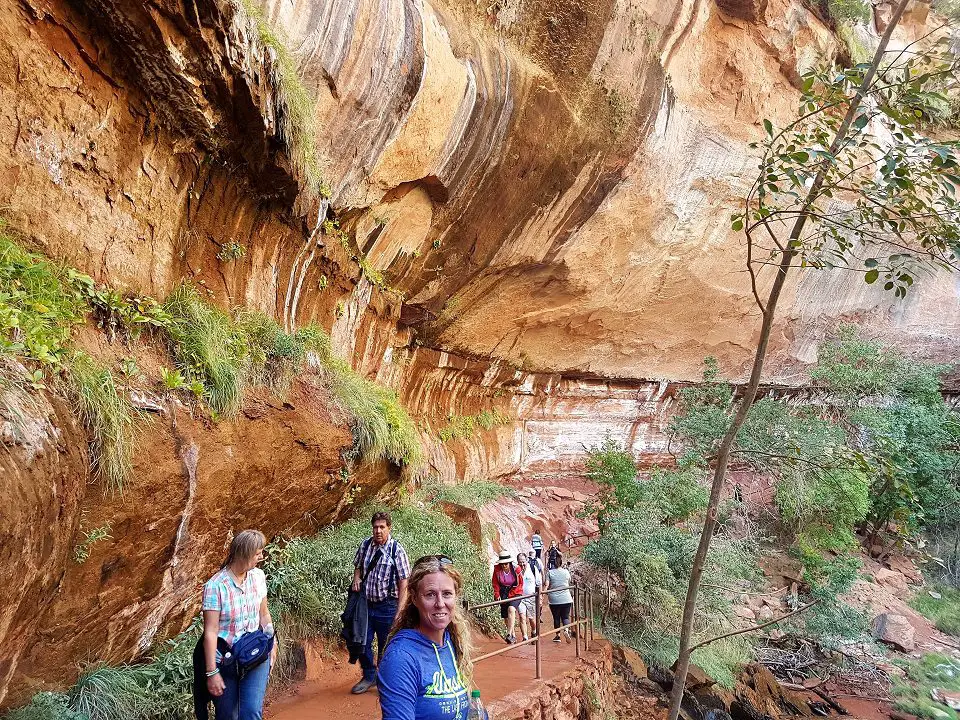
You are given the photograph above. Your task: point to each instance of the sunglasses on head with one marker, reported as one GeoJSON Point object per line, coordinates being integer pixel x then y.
{"type": "Point", "coordinates": [441, 560]}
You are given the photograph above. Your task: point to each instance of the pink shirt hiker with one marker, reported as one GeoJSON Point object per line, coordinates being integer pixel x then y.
{"type": "Point", "coordinates": [239, 605]}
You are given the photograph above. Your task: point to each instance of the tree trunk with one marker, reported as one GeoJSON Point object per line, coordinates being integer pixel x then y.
{"type": "Point", "coordinates": [769, 312]}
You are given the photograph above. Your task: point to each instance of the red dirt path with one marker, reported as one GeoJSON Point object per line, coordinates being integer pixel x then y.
{"type": "Point", "coordinates": [327, 694]}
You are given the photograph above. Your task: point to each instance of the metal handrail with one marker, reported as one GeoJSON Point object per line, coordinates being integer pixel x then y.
{"type": "Point", "coordinates": [537, 639]}
{"type": "Point", "coordinates": [548, 591]}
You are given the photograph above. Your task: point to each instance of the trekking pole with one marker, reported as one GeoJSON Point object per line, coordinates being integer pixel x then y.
{"type": "Point", "coordinates": [536, 629]}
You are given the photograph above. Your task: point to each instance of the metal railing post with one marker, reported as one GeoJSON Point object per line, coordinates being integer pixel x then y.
{"type": "Point", "coordinates": [586, 617]}
{"type": "Point", "coordinates": [576, 607]}
{"type": "Point", "coordinates": [591, 615]}
{"type": "Point", "coordinates": [536, 629]}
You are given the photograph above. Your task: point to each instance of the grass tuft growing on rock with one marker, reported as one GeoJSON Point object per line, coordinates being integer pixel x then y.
{"type": "Point", "coordinates": [109, 693]}
{"type": "Point", "coordinates": [228, 354]}
{"type": "Point", "coordinates": [108, 416]}
{"type": "Point", "coordinates": [473, 494]}
{"type": "Point", "coordinates": [297, 120]}
{"type": "Point", "coordinates": [275, 356]}
{"type": "Point", "coordinates": [160, 689]}
{"type": "Point", "coordinates": [461, 427]}
{"type": "Point", "coordinates": [209, 347]}
{"type": "Point", "coordinates": [382, 429]}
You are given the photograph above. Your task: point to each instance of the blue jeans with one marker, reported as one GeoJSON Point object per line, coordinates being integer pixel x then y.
{"type": "Point", "coordinates": [380, 617]}
{"type": "Point", "coordinates": [242, 697]}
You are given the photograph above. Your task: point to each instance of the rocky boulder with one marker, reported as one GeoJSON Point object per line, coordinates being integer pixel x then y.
{"type": "Point", "coordinates": [891, 579]}
{"type": "Point", "coordinates": [896, 631]}
{"type": "Point", "coordinates": [907, 568]}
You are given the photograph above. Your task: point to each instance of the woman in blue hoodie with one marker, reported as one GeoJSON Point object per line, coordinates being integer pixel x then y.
{"type": "Point", "coordinates": [426, 670]}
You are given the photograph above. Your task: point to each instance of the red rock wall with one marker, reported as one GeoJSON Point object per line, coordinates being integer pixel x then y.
{"type": "Point", "coordinates": [547, 200]}
{"type": "Point", "coordinates": [195, 484]}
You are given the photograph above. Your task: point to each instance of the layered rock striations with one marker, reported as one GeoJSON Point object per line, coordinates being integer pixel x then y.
{"type": "Point", "coordinates": [543, 185]}
{"type": "Point", "coordinates": [546, 182]}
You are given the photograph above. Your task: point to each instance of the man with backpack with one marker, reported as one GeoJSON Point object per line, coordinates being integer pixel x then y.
{"type": "Point", "coordinates": [381, 569]}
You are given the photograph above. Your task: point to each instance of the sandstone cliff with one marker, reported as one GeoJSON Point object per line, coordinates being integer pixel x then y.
{"type": "Point", "coordinates": [544, 186]}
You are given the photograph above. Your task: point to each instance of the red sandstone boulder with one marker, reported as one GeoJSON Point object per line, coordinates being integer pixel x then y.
{"type": "Point", "coordinates": [906, 567]}
{"type": "Point", "coordinates": [896, 631]}
{"type": "Point", "coordinates": [892, 579]}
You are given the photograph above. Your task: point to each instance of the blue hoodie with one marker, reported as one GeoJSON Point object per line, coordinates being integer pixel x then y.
{"type": "Point", "coordinates": [419, 680]}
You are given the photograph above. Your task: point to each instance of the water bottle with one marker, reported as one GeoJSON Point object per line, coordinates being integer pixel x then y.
{"type": "Point", "coordinates": [476, 711]}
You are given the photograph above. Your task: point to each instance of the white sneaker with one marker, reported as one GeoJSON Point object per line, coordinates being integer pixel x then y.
{"type": "Point", "coordinates": [525, 638]}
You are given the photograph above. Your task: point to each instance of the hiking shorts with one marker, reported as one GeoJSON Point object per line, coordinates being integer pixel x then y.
{"type": "Point", "coordinates": [528, 607]}
{"type": "Point", "coordinates": [505, 608]}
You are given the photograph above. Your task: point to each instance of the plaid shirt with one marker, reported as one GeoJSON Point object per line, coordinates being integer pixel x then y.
{"type": "Point", "coordinates": [380, 582]}
{"type": "Point", "coordinates": [238, 605]}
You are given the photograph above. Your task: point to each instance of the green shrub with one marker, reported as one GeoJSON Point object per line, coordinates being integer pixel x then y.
{"type": "Point", "coordinates": [948, 8]}
{"type": "Point", "coordinates": [652, 560]}
{"type": "Point", "coordinates": [307, 578]}
{"type": "Point", "coordinates": [46, 706]}
{"type": "Point", "coordinates": [850, 10]}
{"type": "Point", "coordinates": [669, 495]}
{"type": "Point", "coordinates": [208, 346]}
{"type": "Point", "coordinates": [81, 551]}
{"type": "Point", "coordinates": [824, 506]}
{"type": "Point", "coordinates": [944, 612]}
{"type": "Point", "coordinates": [108, 416]}
{"type": "Point", "coordinates": [933, 671]}
{"type": "Point", "coordinates": [38, 306]}
{"type": "Point", "coordinates": [231, 251]}
{"type": "Point", "coordinates": [117, 314]}
{"type": "Point", "coordinates": [473, 494]}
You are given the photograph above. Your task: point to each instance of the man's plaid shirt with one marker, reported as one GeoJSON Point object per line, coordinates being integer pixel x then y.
{"type": "Point", "coordinates": [380, 583]}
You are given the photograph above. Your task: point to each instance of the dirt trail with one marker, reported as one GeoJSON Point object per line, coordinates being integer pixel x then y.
{"type": "Point", "coordinates": [327, 694]}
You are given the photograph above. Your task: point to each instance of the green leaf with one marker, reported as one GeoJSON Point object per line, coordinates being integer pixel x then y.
{"type": "Point", "coordinates": [870, 262]}
{"type": "Point", "coordinates": [871, 276]}
{"type": "Point", "coordinates": [768, 126]}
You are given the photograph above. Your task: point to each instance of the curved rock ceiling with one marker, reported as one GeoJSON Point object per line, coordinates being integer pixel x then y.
{"type": "Point", "coordinates": [556, 177]}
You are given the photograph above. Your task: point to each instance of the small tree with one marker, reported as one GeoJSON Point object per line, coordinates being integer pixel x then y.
{"type": "Point", "coordinates": [850, 184]}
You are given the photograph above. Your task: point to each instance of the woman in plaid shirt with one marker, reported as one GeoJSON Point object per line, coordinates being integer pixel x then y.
{"type": "Point", "coordinates": [235, 603]}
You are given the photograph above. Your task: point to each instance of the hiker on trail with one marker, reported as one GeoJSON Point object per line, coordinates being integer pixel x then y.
{"type": "Point", "coordinates": [532, 579]}
{"type": "Point", "coordinates": [234, 610]}
{"type": "Point", "coordinates": [426, 671]}
{"type": "Point", "coordinates": [560, 598]}
{"type": "Point", "coordinates": [553, 554]}
{"type": "Point", "coordinates": [381, 569]}
{"type": "Point", "coordinates": [536, 542]}
{"type": "Point", "coordinates": [507, 583]}
{"type": "Point", "coordinates": [535, 562]}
